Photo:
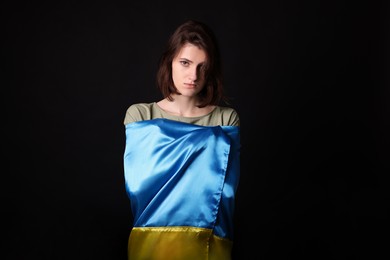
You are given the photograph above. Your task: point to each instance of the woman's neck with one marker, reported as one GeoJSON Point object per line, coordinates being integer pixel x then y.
{"type": "Point", "coordinates": [184, 107]}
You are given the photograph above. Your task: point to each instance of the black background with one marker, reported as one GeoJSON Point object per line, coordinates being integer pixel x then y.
{"type": "Point", "coordinates": [310, 80]}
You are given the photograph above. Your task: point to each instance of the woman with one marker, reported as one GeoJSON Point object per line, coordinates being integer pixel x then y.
{"type": "Point", "coordinates": [181, 158]}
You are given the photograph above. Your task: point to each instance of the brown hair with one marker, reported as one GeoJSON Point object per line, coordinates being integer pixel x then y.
{"type": "Point", "coordinates": [200, 35]}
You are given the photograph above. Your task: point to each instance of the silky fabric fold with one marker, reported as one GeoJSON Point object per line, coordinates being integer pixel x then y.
{"type": "Point", "coordinates": [181, 180]}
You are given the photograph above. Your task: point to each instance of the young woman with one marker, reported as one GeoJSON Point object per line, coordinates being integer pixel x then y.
{"type": "Point", "coordinates": [181, 160]}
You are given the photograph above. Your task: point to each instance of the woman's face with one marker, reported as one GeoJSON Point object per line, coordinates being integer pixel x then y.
{"type": "Point", "coordinates": [187, 70]}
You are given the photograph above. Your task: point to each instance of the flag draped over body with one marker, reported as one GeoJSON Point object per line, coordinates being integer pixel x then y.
{"type": "Point", "coordinates": [181, 180]}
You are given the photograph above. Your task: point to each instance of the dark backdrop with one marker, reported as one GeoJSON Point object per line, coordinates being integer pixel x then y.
{"type": "Point", "coordinates": [310, 80]}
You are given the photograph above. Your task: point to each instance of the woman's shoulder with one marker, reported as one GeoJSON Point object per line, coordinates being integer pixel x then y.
{"type": "Point", "coordinates": [228, 115]}
{"type": "Point", "coordinates": [227, 110]}
{"type": "Point", "coordinates": [138, 112]}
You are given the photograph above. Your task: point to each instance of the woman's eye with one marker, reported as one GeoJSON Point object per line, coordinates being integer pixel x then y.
{"type": "Point", "coordinates": [184, 63]}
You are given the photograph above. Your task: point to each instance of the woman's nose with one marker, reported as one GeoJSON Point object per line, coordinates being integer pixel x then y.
{"type": "Point", "coordinates": [193, 74]}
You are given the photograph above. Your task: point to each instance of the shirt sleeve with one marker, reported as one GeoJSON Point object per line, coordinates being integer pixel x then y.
{"type": "Point", "coordinates": [136, 112]}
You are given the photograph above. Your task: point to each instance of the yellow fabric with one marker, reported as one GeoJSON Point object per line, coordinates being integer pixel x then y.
{"type": "Point", "coordinates": [177, 243]}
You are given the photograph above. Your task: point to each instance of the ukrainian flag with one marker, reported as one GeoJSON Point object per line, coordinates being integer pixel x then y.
{"type": "Point", "coordinates": [181, 180]}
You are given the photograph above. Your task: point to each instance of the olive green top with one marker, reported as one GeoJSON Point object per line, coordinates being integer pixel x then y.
{"type": "Point", "coordinates": [223, 116]}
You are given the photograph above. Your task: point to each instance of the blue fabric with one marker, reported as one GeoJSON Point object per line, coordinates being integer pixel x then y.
{"type": "Point", "coordinates": [180, 174]}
